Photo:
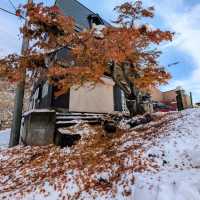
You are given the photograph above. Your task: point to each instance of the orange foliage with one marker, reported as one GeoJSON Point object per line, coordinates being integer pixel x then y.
{"type": "Point", "coordinates": [130, 44]}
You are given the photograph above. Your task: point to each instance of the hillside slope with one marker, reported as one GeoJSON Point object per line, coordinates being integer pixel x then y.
{"type": "Point", "coordinates": [156, 161]}
{"type": "Point", "coordinates": [7, 95]}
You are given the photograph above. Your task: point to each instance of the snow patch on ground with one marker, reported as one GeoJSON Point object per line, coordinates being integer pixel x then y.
{"type": "Point", "coordinates": [4, 138]}
{"type": "Point", "coordinates": [168, 185]}
{"type": "Point", "coordinates": [176, 152]}
{"type": "Point", "coordinates": [178, 155]}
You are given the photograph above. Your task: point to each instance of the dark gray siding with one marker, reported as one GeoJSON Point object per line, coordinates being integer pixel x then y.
{"type": "Point", "coordinates": [117, 98]}
{"type": "Point", "coordinates": [61, 101]}
{"type": "Point", "coordinates": [77, 10]}
{"type": "Point", "coordinates": [43, 102]}
{"type": "Point", "coordinates": [64, 56]}
{"type": "Point", "coordinates": [46, 100]}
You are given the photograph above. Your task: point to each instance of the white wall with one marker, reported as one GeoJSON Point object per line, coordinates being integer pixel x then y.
{"type": "Point", "coordinates": [93, 99]}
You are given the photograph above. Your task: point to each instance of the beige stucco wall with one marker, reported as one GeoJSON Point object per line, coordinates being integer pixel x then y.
{"type": "Point", "coordinates": [93, 99]}
{"type": "Point", "coordinates": [156, 94]}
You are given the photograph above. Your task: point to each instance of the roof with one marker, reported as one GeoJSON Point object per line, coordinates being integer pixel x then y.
{"type": "Point", "coordinates": [77, 10]}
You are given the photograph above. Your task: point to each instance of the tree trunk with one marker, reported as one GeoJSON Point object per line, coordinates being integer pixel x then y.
{"type": "Point", "coordinates": [131, 105]}
{"type": "Point", "coordinates": [19, 97]}
{"type": "Point", "coordinates": [134, 106]}
{"type": "Point", "coordinates": [120, 75]}
{"type": "Point", "coordinates": [17, 114]}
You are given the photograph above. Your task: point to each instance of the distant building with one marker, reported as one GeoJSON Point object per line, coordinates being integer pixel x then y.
{"type": "Point", "coordinates": [168, 100]}
{"type": "Point", "coordinates": [198, 104]}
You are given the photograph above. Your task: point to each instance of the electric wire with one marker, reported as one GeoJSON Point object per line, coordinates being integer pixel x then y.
{"type": "Point", "coordinates": [12, 4]}
{"type": "Point", "coordinates": [11, 13]}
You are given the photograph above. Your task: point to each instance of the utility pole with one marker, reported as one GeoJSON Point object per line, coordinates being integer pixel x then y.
{"type": "Point", "coordinates": [191, 100]}
{"type": "Point", "coordinates": [19, 97]}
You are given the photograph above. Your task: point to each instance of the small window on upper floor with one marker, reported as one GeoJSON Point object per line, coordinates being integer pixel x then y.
{"type": "Point", "coordinates": [95, 19]}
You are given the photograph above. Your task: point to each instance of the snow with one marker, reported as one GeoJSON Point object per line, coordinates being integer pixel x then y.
{"type": "Point", "coordinates": [4, 138]}
{"type": "Point", "coordinates": [80, 128]}
{"type": "Point", "coordinates": [78, 114]}
{"type": "Point", "coordinates": [76, 117]}
{"type": "Point", "coordinates": [38, 110]}
{"type": "Point", "coordinates": [174, 148]}
{"type": "Point", "coordinates": [174, 185]}
{"type": "Point", "coordinates": [179, 178]}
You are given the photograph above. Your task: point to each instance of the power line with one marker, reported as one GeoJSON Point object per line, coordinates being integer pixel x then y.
{"type": "Point", "coordinates": [2, 9]}
{"type": "Point", "coordinates": [11, 13]}
{"type": "Point", "coordinates": [172, 64]}
{"type": "Point", "coordinates": [12, 4]}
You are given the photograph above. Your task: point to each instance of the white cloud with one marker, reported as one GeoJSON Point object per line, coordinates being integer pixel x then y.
{"type": "Point", "coordinates": [10, 42]}
{"type": "Point", "coordinates": [184, 20]}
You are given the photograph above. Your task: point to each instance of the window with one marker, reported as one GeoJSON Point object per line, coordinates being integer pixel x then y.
{"type": "Point", "coordinates": [124, 107]}
{"type": "Point", "coordinates": [45, 89]}
{"type": "Point", "coordinates": [95, 19]}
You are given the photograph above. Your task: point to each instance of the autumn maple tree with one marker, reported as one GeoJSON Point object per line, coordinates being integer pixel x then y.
{"type": "Point", "coordinates": [127, 51]}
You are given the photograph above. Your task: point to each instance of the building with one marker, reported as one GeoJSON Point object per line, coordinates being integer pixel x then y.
{"type": "Point", "coordinates": [197, 104]}
{"type": "Point", "coordinates": [168, 100]}
{"type": "Point", "coordinates": [104, 98]}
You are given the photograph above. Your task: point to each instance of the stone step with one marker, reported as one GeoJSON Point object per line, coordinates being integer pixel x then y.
{"type": "Point", "coordinates": [70, 118]}
{"type": "Point", "coordinates": [79, 114]}
{"type": "Point", "coordinates": [63, 124]}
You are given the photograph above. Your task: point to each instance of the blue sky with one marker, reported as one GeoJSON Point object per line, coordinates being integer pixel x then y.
{"type": "Point", "coordinates": [180, 16]}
